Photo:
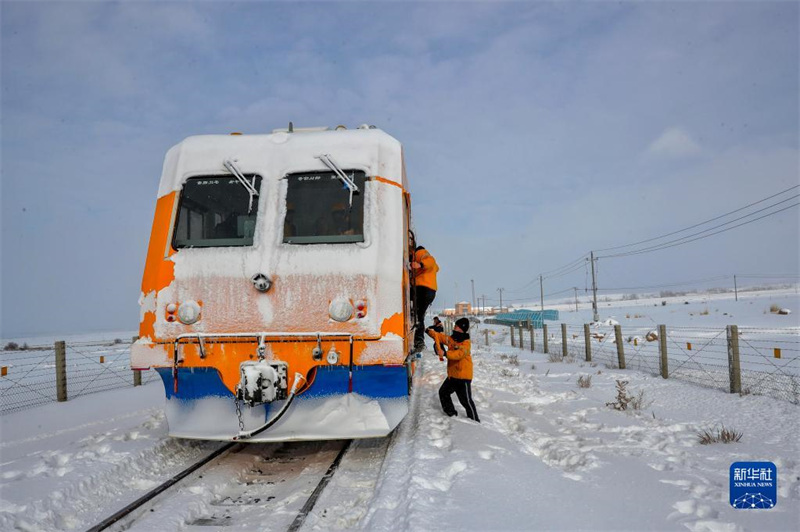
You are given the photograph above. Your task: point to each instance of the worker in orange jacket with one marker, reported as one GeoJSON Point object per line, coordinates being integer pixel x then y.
{"type": "Point", "coordinates": [424, 269]}
{"type": "Point", "coordinates": [459, 368]}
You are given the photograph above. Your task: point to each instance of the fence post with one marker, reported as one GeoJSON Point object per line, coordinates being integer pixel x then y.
{"type": "Point", "coordinates": [137, 373]}
{"type": "Point", "coordinates": [532, 337]}
{"type": "Point", "coordinates": [521, 343]}
{"type": "Point", "coordinates": [513, 341]}
{"type": "Point", "coordinates": [587, 340]}
{"type": "Point", "coordinates": [486, 336]}
{"type": "Point", "coordinates": [662, 345]}
{"type": "Point", "coordinates": [733, 359]}
{"type": "Point", "coordinates": [564, 346]}
{"type": "Point", "coordinates": [544, 339]}
{"type": "Point", "coordinates": [620, 347]}
{"type": "Point", "coordinates": [61, 370]}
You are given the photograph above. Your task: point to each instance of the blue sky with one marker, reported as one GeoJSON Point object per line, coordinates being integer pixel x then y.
{"type": "Point", "coordinates": [533, 132]}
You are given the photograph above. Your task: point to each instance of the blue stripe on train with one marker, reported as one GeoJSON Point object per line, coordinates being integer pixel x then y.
{"type": "Point", "coordinates": [371, 381]}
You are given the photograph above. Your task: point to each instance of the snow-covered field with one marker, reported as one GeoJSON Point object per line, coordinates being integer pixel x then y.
{"type": "Point", "coordinates": [691, 310]}
{"type": "Point", "coordinates": [547, 455]}
{"type": "Point", "coordinates": [696, 337]}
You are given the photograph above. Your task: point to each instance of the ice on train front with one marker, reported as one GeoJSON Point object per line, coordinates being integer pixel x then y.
{"type": "Point", "coordinates": [275, 301]}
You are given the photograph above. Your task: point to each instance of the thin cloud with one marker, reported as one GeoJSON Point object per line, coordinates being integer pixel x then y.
{"type": "Point", "coordinates": [674, 143]}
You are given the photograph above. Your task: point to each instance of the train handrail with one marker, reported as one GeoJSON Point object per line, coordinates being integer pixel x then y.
{"type": "Point", "coordinates": [259, 335]}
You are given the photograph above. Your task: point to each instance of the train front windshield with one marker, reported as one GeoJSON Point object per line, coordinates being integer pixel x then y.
{"type": "Point", "coordinates": [216, 211]}
{"type": "Point", "coordinates": [319, 211]}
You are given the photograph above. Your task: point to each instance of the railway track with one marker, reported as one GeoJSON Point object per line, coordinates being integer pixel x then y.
{"type": "Point", "coordinates": [256, 485]}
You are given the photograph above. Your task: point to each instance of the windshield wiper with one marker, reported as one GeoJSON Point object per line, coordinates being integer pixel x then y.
{"type": "Point", "coordinates": [349, 183]}
{"type": "Point", "coordinates": [250, 187]}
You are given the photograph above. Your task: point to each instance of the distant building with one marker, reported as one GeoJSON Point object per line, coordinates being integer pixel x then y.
{"type": "Point", "coordinates": [463, 308]}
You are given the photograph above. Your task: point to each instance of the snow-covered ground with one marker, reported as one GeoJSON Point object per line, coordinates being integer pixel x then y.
{"type": "Point", "coordinates": [696, 337]}
{"type": "Point", "coordinates": [547, 455]}
{"type": "Point", "coordinates": [690, 310]}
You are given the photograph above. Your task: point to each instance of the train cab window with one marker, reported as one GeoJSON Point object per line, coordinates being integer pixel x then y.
{"type": "Point", "coordinates": [318, 209]}
{"type": "Point", "coordinates": [216, 211]}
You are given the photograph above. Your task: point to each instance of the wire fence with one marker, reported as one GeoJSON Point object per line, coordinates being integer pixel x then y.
{"type": "Point", "coordinates": [29, 376]}
{"type": "Point", "coordinates": [746, 360]}
{"type": "Point", "coordinates": [770, 367]}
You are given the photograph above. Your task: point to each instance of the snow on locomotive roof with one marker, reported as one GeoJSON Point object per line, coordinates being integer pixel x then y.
{"type": "Point", "coordinates": [276, 154]}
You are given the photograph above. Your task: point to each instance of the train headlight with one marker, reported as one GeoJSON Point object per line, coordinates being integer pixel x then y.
{"type": "Point", "coordinates": [189, 312]}
{"type": "Point", "coordinates": [340, 309]}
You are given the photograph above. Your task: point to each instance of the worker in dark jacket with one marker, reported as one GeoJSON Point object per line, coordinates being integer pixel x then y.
{"type": "Point", "coordinates": [459, 369]}
{"type": "Point", "coordinates": [424, 269]}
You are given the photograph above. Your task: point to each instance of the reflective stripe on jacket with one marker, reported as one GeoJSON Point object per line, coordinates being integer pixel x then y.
{"type": "Point", "coordinates": [459, 355]}
{"type": "Point", "coordinates": [426, 275]}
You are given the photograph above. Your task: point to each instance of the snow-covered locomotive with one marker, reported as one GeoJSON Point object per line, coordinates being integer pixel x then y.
{"type": "Point", "coordinates": [275, 301]}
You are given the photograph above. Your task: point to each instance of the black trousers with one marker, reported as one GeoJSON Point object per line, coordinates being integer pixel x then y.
{"type": "Point", "coordinates": [425, 297]}
{"type": "Point", "coordinates": [463, 390]}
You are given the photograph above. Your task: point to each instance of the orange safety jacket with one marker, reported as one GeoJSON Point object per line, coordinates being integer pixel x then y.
{"type": "Point", "coordinates": [459, 355]}
{"type": "Point", "coordinates": [426, 275]}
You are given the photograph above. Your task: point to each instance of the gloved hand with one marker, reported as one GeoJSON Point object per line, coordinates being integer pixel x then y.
{"type": "Point", "coordinates": [439, 351]}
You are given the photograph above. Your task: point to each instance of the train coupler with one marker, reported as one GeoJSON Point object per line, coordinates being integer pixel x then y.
{"type": "Point", "coordinates": [262, 382]}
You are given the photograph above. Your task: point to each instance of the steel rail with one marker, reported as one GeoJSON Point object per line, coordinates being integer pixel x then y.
{"type": "Point", "coordinates": [105, 523]}
{"type": "Point", "coordinates": [296, 524]}
{"type": "Point", "coordinates": [312, 500]}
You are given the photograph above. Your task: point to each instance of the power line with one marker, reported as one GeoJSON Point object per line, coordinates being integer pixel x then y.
{"type": "Point", "coordinates": [575, 268]}
{"type": "Point", "coordinates": [702, 223]}
{"type": "Point", "coordinates": [575, 264]}
{"type": "Point", "coordinates": [531, 298]}
{"type": "Point", "coordinates": [768, 276]}
{"type": "Point", "coordinates": [669, 285]}
{"type": "Point", "coordinates": [579, 260]}
{"type": "Point", "coordinates": [683, 240]}
{"type": "Point", "coordinates": [570, 289]}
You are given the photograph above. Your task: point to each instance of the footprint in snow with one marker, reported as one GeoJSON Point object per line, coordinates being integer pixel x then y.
{"type": "Point", "coordinates": [443, 480]}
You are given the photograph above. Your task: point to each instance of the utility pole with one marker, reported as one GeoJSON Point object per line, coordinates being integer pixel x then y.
{"type": "Point", "coordinates": [483, 304]}
{"type": "Point", "coordinates": [735, 289]}
{"type": "Point", "coordinates": [473, 294]}
{"type": "Point", "coordinates": [576, 297]}
{"type": "Point", "coordinates": [541, 291]}
{"type": "Point", "coordinates": [595, 315]}
{"type": "Point", "coordinates": [501, 298]}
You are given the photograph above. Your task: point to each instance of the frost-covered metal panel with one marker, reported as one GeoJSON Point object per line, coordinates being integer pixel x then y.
{"type": "Point", "coordinates": [306, 277]}
{"type": "Point", "coordinates": [280, 153]}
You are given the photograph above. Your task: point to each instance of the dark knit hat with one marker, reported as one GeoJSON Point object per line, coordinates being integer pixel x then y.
{"type": "Point", "coordinates": [463, 324]}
